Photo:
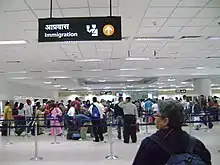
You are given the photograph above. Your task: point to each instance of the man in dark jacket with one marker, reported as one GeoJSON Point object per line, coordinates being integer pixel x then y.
{"type": "Point", "coordinates": [119, 116]}
{"type": "Point", "coordinates": [169, 122]}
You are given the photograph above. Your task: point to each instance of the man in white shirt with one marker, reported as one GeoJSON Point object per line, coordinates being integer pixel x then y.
{"type": "Point", "coordinates": [28, 109]}
{"type": "Point", "coordinates": [71, 112]}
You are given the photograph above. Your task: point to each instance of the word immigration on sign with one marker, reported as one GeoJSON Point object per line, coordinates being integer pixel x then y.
{"type": "Point", "coordinates": [79, 29]}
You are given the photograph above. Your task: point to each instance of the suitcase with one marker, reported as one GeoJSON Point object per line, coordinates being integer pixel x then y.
{"type": "Point", "coordinates": [73, 135]}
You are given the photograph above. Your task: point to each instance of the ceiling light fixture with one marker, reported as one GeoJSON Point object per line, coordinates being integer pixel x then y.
{"type": "Point", "coordinates": [129, 69]}
{"type": "Point", "coordinates": [173, 85]}
{"type": "Point", "coordinates": [47, 82]}
{"type": "Point", "coordinates": [102, 81]}
{"type": "Point", "coordinates": [200, 68]}
{"type": "Point", "coordinates": [153, 38]}
{"type": "Point", "coordinates": [58, 77]}
{"type": "Point", "coordinates": [184, 83]}
{"type": "Point", "coordinates": [93, 70]}
{"type": "Point", "coordinates": [161, 68]}
{"type": "Point", "coordinates": [55, 71]}
{"type": "Point", "coordinates": [13, 42]}
{"type": "Point", "coordinates": [89, 60]}
{"type": "Point", "coordinates": [213, 38]}
{"type": "Point", "coordinates": [159, 83]}
{"type": "Point", "coordinates": [64, 88]}
{"type": "Point", "coordinates": [130, 80]}
{"type": "Point", "coordinates": [171, 79]}
{"type": "Point", "coordinates": [19, 72]}
{"type": "Point", "coordinates": [107, 87]}
{"type": "Point", "coordinates": [124, 75]}
{"type": "Point", "coordinates": [57, 86]}
{"type": "Point", "coordinates": [21, 78]}
{"type": "Point", "coordinates": [137, 59]}
{"type": "Point", "coordinates": [151, 86]}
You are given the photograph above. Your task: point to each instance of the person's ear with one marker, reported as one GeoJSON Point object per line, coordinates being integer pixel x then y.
{"type": "Point", "coordinates": [166, 121]}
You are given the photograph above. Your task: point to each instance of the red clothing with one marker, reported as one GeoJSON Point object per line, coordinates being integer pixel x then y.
{"type": "Point", "coordinates": [77, 105]}
{"type": "Point", "coordinates": [216, 105]}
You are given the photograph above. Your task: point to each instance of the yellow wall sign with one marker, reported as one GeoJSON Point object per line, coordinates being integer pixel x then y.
{"type": "Point", "coordinates": [108, 30]}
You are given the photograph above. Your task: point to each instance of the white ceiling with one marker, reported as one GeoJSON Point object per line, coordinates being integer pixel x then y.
{"type": "Point", "coordinates": [140, 18]}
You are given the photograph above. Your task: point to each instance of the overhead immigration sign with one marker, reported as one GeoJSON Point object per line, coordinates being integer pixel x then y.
{"type": "Point", "coordinates": [79, 29]}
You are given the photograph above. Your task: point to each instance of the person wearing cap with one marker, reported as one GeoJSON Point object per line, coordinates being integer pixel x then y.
{"type": "Point", "coordinates": [169, 120]}
{"type": "Point", "coordinates": [130, 117]}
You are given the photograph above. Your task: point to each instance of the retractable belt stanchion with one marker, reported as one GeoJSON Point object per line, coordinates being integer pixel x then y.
{"type": "Point", "coordinates": [190, 124]}
{"type": "Point", "coordinates": [55, 134]}
{"type": "Point", "coordinates": [8, 140]}
{"type": "Point", "coordinates": [111, 156]}
{"type": "Point", "coordinates": [36, 157]}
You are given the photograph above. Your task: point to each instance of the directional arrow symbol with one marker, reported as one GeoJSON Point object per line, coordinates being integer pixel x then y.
{"type": "Point", "coordinates": [108, 30]}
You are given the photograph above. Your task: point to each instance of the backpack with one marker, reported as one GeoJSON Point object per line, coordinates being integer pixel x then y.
{"type": "Point", "coordinates": [95, 112]}
{"type": "Point", "coordinates": [187, 158]}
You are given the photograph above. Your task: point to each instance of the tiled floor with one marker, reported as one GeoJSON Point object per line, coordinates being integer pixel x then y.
{"type": "Point", "coordinates": [87, 152]}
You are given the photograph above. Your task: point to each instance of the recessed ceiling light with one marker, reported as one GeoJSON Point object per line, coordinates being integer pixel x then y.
{"type": "Point", "coordinates": [58, 77]}
{"type": "Point", "coordinates": [107, 87]}
{"type": "Point", "coordinates": [159, 83]}
{"type": "Point", "coordinates": [89, 60]}
{"type": "Point", "coordinates": [184, 83]}
{"type": "Point", "coordinates": [137, 59]}
{"type": "Point", "coordinates": [200, 68]}
{"type": "Point", "coordinates": [173, 85]}
{"type": "Point", "coordinates": [160, 87]}
{"type": "Point", "coordinates": [21, 78]}
{"type": "Point", "coordinates": [102, 81]}
{"type": "Point", "coordinates": [47, 82]}
{"type": "Point", "coordinates": [130, 86]}
{"type": "Point", "coordinates": [19, 72]}
{"type": "Point", "coordinates": [192, 85]}
{"type": "Point", "coordinates": [57, 86]}
{"type": "Point", "coordinates": [213, 37]}
{"type": "Point", "coordinates": [93, 70]}
{"type": "Point", "coordinates": [124, 75]}
{"type": "Point", "coordinates": [153, 38]}
{"type": "Point", "coordinates": [214, 85]}
{"type": "Point", "coordinates": [13, 42]}
{"type": "Point", "coordinates": [130, 80]}
{"type": "Point", "coordinates": [161, 68]}
{"type": "Point", "coordinates": [151, 86]}
{"type": "Point", "coordinates": [128, 69]}
{"type": "Point", "coordinates": [171, 79]}
{"type": "Point", "coordinates": [64, 88]}
{"type": "Point", "coordinates": [55, 71]}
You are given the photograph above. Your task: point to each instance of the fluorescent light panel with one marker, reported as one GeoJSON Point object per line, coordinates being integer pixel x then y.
{"type": "Point", "coordinates": [137, 59]}
{"type": "Point", "coordinates": [21, 78]}
{"type": "Point", "coordinates": [19, 72]}
{"type": "Point", "coordinates": [58, 77]}
{"type": "Point", "coordinates": [200, 68]}
{"type": "Point", "coordinates": [47, 82]}
{"type": "Point", "coordinates": [57, 86]}
{"type": "Point", "coordinates": [129, 69]}
{"type": "Point", "coordinates": [13, 42]}
{"type": "Point", "coordinates": [55, 71]}
{"type": "Point", "coordinates": [171, 79]}
{"type": "Point", "coordinates": [213, 37]}
{"type": "Point", "coordinates": [153, 38]}
{"type": "Point", "coordinates": [161, 68]}
{"type": "Point", "coordinates": [89, 60]}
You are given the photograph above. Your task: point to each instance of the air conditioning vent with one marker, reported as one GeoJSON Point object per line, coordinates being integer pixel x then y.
{"type": "Point", "coordinates": [64, 60]}
{"type": "Point", "coordinates": [114, 58]}
{"type": "Point", "coordinates": [190, 37]}
{"type": "Point", "coordinates": [2, 72]}
{"type": "Point", "coordinates": [213, 57]}
{"type": "Point", "coordinates": [188, 67]}
{"type": "Point", "coordinates": [35, 71]}
{"type": "Point", "coordinates": [77, 70]}
{"type": "Point", "coordinates": [13, 62]}
{"type": "Point", "coordinates": [111, 69]}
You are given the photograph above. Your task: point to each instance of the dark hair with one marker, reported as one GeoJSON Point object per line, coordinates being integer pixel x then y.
{"type": "Point", "coordinates": [94, 99]}
{"type": "Point", "coordinates": [21, 105]}
{"type": "Point", "coordinates": [128, 99]}
{"type": "Point", "coordinates": [120, 98]}
{"type": "Point", "coordinates": [174, 111]}
{"type": "Point", "coordinates": [215, 101]}
{"type": "Point", "coordinates": [16, 104]}
{"type": "Point", "coordinates": [77, 98]}
{"type": "Point", "coordinates": [7, 103]}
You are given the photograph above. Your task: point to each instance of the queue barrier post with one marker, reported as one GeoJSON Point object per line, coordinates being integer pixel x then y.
{"type": "Point", "coordinates": [111, 156]}
{"type": "Point", "coordinates": [36, 156]}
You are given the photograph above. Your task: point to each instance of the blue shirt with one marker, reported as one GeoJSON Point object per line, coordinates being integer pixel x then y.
{"type": "Point", "coordinates": [148, 105]}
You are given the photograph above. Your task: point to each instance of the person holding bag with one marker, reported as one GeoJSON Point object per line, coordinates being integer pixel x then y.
{"type": "Point", "coordinates": [55, 124]}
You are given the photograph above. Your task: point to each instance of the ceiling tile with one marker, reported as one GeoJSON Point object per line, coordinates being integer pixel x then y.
{"type": "Point", "coordinates": [211, 31]}
{"type": "Point", "coordinates": [193, 3]}
{"type": "Point", "coordinates": [170, 31]}
{"type": "Point", "coordinates": [158, 12]}
{"type": "Point", "coordinates": [82, 12]}
{"type": "Point", "coordinates": [13, 5]}
{"type": "Point", "coordinates": [72, 4]}
{"type": "Point", "coordinates": [102, 3]}
{"type": "Point", "coordinates": [190, 30]}
{"type": "Point", "coordinates": [21, 16]}
{"type": "Point", "coordinates": [214, 3]}
{"type": "Point", "coordinates": [171, 3]}
{"type": "Point", "coordinates": [41, 4]}
{"type": "Point", "coordinates": [45, 13]}
{"type": "Point", "coordinates": [185, 12]}
{"type": "Point", "coordinates": [200, 22]}
{"type": "Point", "coordinates": [209, 13]}
{"type": "Point", "coordinates": [177, 22]}
{"type": "Point", "coordinates": [31, 25]}
{"type": "Point", "coordinates": [148, 31]}
{"type": "Point", "coordinates": [153, 22]}
{"type": "Point", "coordinates": [103, 11]}
{"type": "Point", "coordinates": [215, 22]}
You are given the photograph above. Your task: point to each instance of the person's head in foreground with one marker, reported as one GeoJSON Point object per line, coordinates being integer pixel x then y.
{"type": "Point", "coordinates": [171, 141]}
{"type": "Point", "coordinates": [170, 115]}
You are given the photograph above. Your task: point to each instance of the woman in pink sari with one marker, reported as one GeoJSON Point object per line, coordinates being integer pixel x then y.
{"type": "Point", "coordinates": [55, 114]}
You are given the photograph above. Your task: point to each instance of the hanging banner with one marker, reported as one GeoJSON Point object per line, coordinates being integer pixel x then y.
{"type": "Point", "coordinates": [79, 29]}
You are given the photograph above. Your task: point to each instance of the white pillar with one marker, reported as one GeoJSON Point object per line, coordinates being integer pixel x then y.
{"type": "Point", "coordinates": [202, 87]}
